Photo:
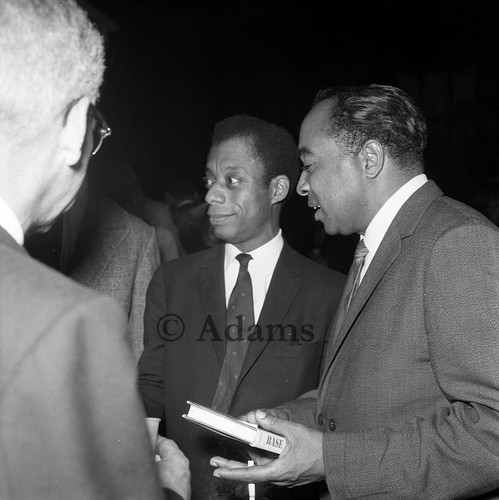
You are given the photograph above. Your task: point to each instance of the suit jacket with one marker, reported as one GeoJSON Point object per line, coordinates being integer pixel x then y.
{"type": "Point", "coordinates": [117, 256]}
{"type": "Point", "coordinates": [71, 420]}
{"type": "Point", "coordinates": [184, 347]}
{"type": "Point", "coordinates": [409, 402]}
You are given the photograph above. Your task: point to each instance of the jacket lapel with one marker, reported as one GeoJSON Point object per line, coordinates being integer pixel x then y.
{"type": "Point", "coordinates": [283, 288]}
{"type": "Point", "coordinates": [385, 256]}
{"type": "Point", "coordinates": [212, 287]}
{"type": "Point", "coordinates": [402, 226]}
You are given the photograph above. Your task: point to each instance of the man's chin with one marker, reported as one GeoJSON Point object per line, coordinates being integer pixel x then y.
{"type": "Point", "coordinates": [221, 232]}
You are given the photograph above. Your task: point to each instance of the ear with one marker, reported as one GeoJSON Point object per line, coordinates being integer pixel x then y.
{"type": "Point", "coordinates": [73, 132]}
{"type": "Point", "coordinates": [279, 188]}
{"type": "Point", "coordinates": [372, 156]}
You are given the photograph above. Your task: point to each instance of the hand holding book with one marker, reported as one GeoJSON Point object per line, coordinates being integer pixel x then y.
{"type": "Point", "coordinates": [234, 428]}
{"type": "Point", "coordinates": [301, 463]}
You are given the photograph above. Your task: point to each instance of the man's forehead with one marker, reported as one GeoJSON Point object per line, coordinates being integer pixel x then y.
{"type": "Point", "coordinates": [313, 128]}
{"type": "Point", "coordinates": [234, 145]}
{"type": "Point", "coordinates": [316, 119]}
{"type": "Point", "coordinates": [233, 154]}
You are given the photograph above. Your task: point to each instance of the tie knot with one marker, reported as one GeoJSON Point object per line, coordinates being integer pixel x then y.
{"type": "Point", "coordinates": [361, 250]}
{"type": "Point", "coordinates": [243, 259]}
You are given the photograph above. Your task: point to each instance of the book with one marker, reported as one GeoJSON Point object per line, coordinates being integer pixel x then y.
{"type": "Point", "coordinates": [236, 429]}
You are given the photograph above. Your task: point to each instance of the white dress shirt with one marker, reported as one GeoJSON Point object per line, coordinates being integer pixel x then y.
{"type": "Point", "coordinates": [260, 267]}
{"type": "Point", "coordinates": [378, 227]}
{"type": "Point", "coordinates": [10, 222]}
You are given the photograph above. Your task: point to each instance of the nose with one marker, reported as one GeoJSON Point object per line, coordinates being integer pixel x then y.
{"type": "Point", "coordinates": [302, 188]}
{"type": "Point", "coordinates": [214, 194]}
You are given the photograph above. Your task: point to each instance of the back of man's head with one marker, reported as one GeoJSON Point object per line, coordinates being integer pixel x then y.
{"type": "Point", "coordinates": [50, 56]}
{"type": "Point", "coordinates": [271, 144]}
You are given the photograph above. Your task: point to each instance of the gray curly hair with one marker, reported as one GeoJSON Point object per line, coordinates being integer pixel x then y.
{"type": "Point", "coordinates": [50, 56]}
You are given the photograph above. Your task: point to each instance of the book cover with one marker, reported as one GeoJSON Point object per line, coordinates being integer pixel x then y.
{"type": "Point", "coordinates": [236, 429]}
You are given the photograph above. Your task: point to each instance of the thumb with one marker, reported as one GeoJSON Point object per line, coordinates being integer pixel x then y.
{"type": "Point", "coordinates": [166, 446]}
{"type": "Point", "coordinates": [271, 422]}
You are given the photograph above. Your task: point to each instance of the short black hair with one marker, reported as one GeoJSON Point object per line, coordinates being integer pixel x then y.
{"type": "Point", "coordinates": [381, 112]}
{"type": "Point", "coordinates": [271, 144]}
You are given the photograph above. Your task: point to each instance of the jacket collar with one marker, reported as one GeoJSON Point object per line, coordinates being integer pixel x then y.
{"type": "Point", "coordinates": [403, 226]}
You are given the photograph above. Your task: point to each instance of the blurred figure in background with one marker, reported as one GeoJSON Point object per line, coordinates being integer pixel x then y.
{"type": "Point", "coordinates": [189, 211]}
{"type": "Point", "coordinates": [158, 214]}
{"type": "Point", "coordinates": [103, 242]}
{"type": "Point", "coordinates": [182, 217]}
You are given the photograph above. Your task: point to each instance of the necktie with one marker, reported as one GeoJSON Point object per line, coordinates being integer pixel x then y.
{"type": "Point", "coordinates": [351, 285]}
{"type": "Point", "coordinates": [240, 318]}
{"type": "Point", "coordinates": [353, 279]}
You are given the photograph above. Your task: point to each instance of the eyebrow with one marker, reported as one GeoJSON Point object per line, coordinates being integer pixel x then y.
{"type": "Point", "coordinates": [228, 170]}
{"type": "Point", "coordinates": [304, 151]}
{"type": "Point", "coordinates": [235, 169]}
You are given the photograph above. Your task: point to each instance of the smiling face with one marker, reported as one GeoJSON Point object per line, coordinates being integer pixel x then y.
{"type": "Point", "coordinates": [240, 207]}
{"type": "Point", "coordinates": [332, 181]}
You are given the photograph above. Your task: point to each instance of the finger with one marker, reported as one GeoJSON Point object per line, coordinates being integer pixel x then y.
{"type": "Point", "coordinates": [258, 458]}
{"type": "Point", "coordinates": [243, 473]}
{"type": "Point", "coordinates": [271, 422]}
{"type": "Point", "coordinates": [228, 464]}
{"type": "Point", "coordinates": [249, 417]}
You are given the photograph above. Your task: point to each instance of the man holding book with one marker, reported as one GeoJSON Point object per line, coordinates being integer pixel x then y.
{"type": "Point", "coordinates": [408, 404]}
{"type": "Point", "coordinates": [231, 331]}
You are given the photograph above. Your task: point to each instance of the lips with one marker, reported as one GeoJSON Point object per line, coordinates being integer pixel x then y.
{"type": "Point", "coordinates": [218, 218]}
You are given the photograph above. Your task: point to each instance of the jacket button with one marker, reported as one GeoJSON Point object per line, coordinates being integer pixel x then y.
{"type": "Point", "coordinates": [332, 424]}
{"type": "Point", "coordinates": [320, 419]}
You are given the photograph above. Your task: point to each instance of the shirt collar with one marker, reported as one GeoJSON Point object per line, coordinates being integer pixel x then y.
{"type": "Point", "coordinates": [378, 227]}
{"type": "Point", "coordinates": [10, 222]}
{"type": "Point", "coordinates": [265, 253]}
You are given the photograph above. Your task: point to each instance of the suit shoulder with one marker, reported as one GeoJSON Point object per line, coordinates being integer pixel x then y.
{"type": "Point", "coordinates": [190, 262]}
{"type": "Point", "coordinates": [446, 214]}
{"type": "Point", "coordinates": [51, 313]}
{"type": "Point", "coordinates": [32, 282]}
{"type": "Point", "coordinates": [117, 215]}
{"type": "Point", "coordinates": [320, 271]}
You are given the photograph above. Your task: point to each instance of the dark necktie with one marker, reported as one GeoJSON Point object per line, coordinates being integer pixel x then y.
{"type": "Point", "coordinates": [240, 318]}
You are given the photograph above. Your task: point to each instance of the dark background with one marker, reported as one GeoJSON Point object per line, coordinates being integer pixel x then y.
{"type": "Point", "coordinates": [175, 67]}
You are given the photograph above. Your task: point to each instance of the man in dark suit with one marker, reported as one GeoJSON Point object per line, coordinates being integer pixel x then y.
{"type": "Point", "coordinates": [251, 167]}
{"type": "Point", "coordinates": [71, 420]}
{"type": "Point", "coordinates": [408, 406]}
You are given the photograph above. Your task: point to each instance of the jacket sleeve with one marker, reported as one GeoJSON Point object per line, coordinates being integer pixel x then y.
{"type": "Point", "coordinates": [147, 264]}
{"type": "Point", "coordinates": [151, 364]}
{"type": "Point", "coordinates": [302, 410]}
